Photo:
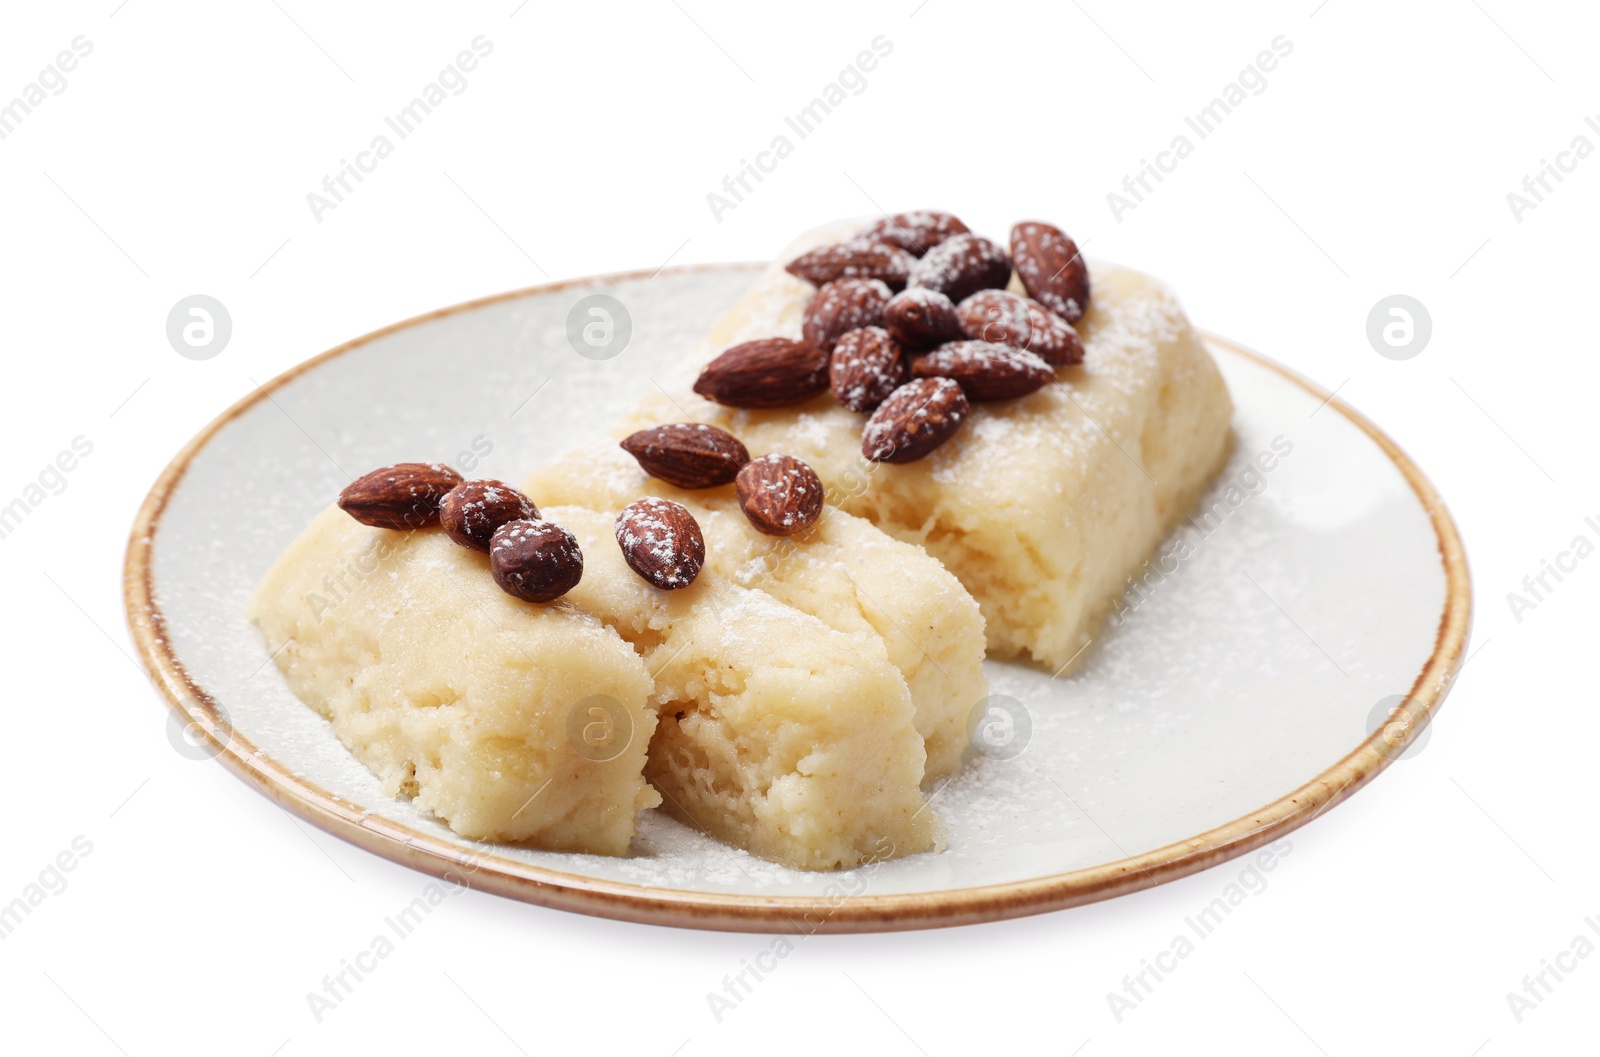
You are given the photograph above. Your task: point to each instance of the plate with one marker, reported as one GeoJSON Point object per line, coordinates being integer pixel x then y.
{"type": "Point", "coordinates": [1287, 644]}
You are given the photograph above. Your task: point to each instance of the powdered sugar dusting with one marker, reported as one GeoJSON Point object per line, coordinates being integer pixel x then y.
{"type": "Point", "coordinates": [661, 542]}
{"type": "Point", "coordinates": [1114, 747]}
{"type": "Point", "coordinates": [867, 366]}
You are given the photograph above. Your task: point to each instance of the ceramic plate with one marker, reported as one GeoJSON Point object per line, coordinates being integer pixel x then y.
{"type": "Point", "coordinates": [1275, 655]}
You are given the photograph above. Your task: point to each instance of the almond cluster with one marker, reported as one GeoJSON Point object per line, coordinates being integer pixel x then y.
{"type": "Point", "coordinates": [779, 494]}
{"type": "Point", "coordinates": [660, 539]}
{"type": "Point", "coordinates": [531, 558]}
{"type": "Point", "coordinates": [911, 322]}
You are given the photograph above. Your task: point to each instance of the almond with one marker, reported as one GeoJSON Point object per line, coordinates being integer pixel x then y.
{"type": "Point", "coordinates": [917, 418]}
{"type": "Point", "coordinates": [769, 372]}
{"type": "Point", "coordinates": [985, 370]}
{"type": "Point", "coordinates": [840, 306]}
{"type": "Point", "coordinates": [867, 366]}
{"type": "Point", "coordinates": [960, 266]}
{"type": "Point", "coordinates": [920, 318]}
{"type": "Point", "coordinates": [1006, 319]}
{"type": "Point", "coordinates": [1051, 337]}
{"type": "Point", "coordinates": [996, 315]}
{"type": "Point", "coordinates": [780, 495]}
{"type": "Point", "coordinates": [856, 259]}
{"type": "Point", "coordinates": [688, 454]}
{"type": "Point", "coordinates": [916, 232]}
{"type": "Point", "coordinates": [661, 541]}
{"type": "Point", "coordinates": [535, 560]}
{"type": "Point", "coordinates": [403, 496]}
{"type": "Point", "coordinates": [473, 511]}
{"type": "Point", "coordinates": [1052, 270]}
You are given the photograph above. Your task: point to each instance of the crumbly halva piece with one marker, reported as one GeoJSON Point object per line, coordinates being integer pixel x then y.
{"type": "Point", "coordinates": [895, 600]}
{"type": "Point", "coordinates": [776, 732]}
{"type": "Point", "coordinates": [1043, 505]}
{"type": "Point", "coordinates": [455, 693]}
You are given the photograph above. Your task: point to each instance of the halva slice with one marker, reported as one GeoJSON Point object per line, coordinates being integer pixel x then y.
{"type": "Point", "coordinates": [777, 733]}
{"type": "Point", "coordinates": [896, 601]}
{"type": "Point", "coordinates": [1042, 506]}
{"type": "Point", "coordinates": [508, 720]}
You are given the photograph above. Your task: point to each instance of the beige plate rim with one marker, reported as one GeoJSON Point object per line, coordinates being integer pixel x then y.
{"type": "Point", "coordinates": [434, 855]}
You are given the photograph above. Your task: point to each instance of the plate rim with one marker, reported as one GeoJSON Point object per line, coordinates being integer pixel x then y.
{"type": "Point", "coordinates": [431, 854]}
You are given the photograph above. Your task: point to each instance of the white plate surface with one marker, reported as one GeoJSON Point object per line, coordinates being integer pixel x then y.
{"type": "Point", "coordinates": [1252, 665]}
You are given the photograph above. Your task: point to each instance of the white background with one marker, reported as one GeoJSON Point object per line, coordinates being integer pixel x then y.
{"type": "Point", "coordinates": [1376, 161]}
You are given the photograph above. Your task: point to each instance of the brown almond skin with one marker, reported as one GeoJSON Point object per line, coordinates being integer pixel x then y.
{"type": "Point", "coordinates": [856, 259]}
{"type": "Point", "coordinates": [917, 418]}
{"type": "Point", "coordinates": [661, 541]}
{"type": "Point", "coordinates": [960, 266]}
{"type": "Point", "coordinates": [403, 496]}
{"type": "Point", "coordinates": [688, 454]}
{"type": "Point", "coordinates": [917, 231]}
{"type": "Point", "coordinates": [473, 511]}
{"type": "Point", "coordinates": [867, 366]}
{"type": "Point", "coordinates": [780, 495]}
{"type": "Point", "coordinates": [985, 370]}
{"type": "Point", "coordinates": [998, 316]}
{"type": "Point", "coordinates": [920, 318]}
{"type": "Point", "coordinates": [1051, 268]}
{"type": "Point", "coordinates": [1052, 338]}
{"type": "Point", "coordinates": [768, 372]}
{"type": "Point", "coordinates": [1021, 322]}
{"type": "Point", "coordinates": [842, 306]}
{"type": "Point", "coordinates": [535, 560]}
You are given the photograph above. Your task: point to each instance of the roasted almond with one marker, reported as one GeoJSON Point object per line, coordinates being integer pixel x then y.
{"type": "Point", "coordinates": [917, 418]}
{"type": "Point", "coordinates": [960, 266]}
{"type": "Point", "coordinates": [985, 370]}
{"type": "Point", "coordinates": [661, 541]}
{"type": "Point", "coordinates": [473, 511]}
{"type": "Point", "coordinates": [856, 259]}
{"type": "Point", "coordinates": [1051, 268]}
{"type": "Point", "coordinates": [1002, 317]}
{"type": "Point", "coordinates": [917, 231]}
{"type": "Point", "coordinates": [920, 318]}
{"type": "Point", "coordinates": [780, 495]}
{"type": "Point", "coordinates": [867, 366]}
{"type": "Point", "coordinates": [403, 496]}
{"type": "Point", "coordinates": [996, 315]}
{"type": "Point", "coordinates": [535, 560]}
{"type": "Point", "coordinates": [688, 454]}
{"type": "Point", "coordinates": [1052, 338]}
{"type": "Point", "coordinates": [769, 372]}
{"type": "Point", "coordinates": [840, 306]}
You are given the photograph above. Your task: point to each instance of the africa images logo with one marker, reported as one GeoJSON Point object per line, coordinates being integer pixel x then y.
{"type": "Point", "coordinates": [452, 80]}
{"type": "Point", "coordinates": [51, 79]}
